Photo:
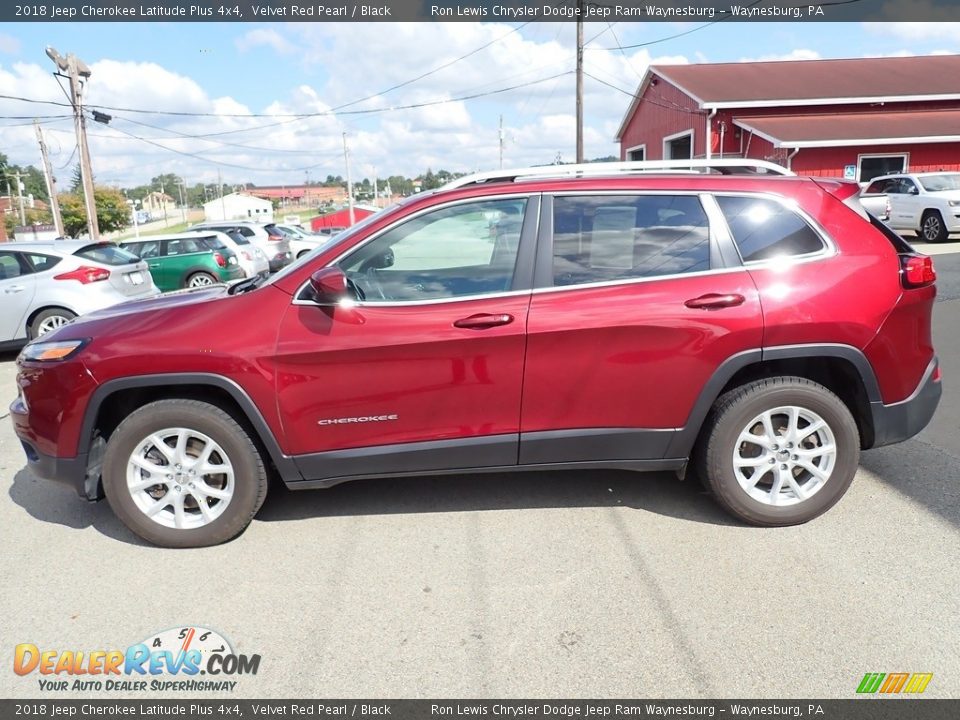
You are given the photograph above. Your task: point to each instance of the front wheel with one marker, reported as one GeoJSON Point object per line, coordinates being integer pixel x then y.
{"type": "Point", "coordinates": [932, 227]}
{"type": "Point", "coordinates": [183, 473]}
{"type": "Point", "coordinates": [779, 451]}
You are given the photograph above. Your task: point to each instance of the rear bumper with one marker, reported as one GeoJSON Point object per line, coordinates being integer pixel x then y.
{"type": "Point", "coordinates": [900, 421]}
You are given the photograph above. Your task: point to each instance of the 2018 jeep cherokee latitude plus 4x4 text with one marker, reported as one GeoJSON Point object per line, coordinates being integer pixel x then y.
{"type": "Point", "coordinates": [761, 329]}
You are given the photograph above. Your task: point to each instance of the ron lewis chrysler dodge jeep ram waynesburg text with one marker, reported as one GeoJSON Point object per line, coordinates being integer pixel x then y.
{"type": "Point", "coordinates": [754, 328]}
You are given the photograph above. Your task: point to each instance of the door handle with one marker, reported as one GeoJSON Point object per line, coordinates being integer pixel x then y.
{"type": "Point", "coordinates": [154, 265]}
{"type": "Point", "coordinates": [14, 289]}
{"type": "Point", "coordinates": [715, 301]}
{"type": "Point", "coordinates": [482, 321]}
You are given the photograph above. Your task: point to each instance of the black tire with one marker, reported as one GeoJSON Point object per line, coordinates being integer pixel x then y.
{"type": "Point", "coordinates": [200, 279]}
{"type": "Point", "coordinates": [714, 456]}
{"type": "Point", "coordinates": [39, 324]}
{"type": "Point", "coordinates": [932, 227]}
{"type": "Point", "coordinates": [249, 483]}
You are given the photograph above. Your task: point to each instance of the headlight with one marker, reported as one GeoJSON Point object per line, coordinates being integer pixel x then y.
{"type": "Point", "coordinates": [52, 351]}
{"type": "Point", "coordinates": [953, 203]}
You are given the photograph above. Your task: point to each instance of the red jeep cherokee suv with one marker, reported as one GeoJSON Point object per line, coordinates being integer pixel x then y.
{"type": "Point", "coordinates": [760, 328]}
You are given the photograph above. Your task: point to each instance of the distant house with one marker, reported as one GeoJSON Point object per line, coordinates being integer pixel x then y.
{"type": "Point", "coordinates": [158, 205]}
{"type": "Point", "coordinates": [300, 195]}
{"type": "Point", "coordinates": [855, 118]}
{"type": "Point", "coordinates": [238, 206]}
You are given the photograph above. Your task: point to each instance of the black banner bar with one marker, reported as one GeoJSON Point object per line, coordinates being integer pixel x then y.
{"type": "Point", "coordinates": [866, 708]}
{"type": "Point", "coordinates": [477, 10]}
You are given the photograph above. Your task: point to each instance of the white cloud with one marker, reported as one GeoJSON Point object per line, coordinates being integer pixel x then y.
{"type": "Point", "coordinates": [798, 54]}
{"type": "Point", "coordinates": [264, 37]}
{"type": "Point", "coordinates": [938, 26]}
{"type": "Point", "coordinates": [9, 45]}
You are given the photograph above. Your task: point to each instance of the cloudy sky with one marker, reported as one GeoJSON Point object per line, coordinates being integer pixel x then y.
{"type": "Point", "coordinates": [237, 86]}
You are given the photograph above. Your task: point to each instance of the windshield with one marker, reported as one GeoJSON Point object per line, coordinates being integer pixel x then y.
{"type": "Point", "coordinates": [337, 239]}
{"type": "Point", "coordinates": [938, 183]}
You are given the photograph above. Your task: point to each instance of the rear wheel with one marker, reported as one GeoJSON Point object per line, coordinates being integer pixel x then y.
{"type": "Point", "coordinates": [183, 473]}
{"type": "Point", "coordinates": [932, 227]}
{"type": "Point", "coordinates": [49, 320]}
{"type": "Point", "coordinates": [779, 451]}
{"type": "Point", "coordinates": [201, 279]}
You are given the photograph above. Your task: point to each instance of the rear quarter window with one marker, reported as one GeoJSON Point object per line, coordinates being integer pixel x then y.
{"type": "Point", "coordinates": [764, 229]}
{"type": "Point", "coordinates": [107, 254]}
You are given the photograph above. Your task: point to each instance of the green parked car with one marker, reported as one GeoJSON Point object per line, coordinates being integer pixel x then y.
{"type": "Point", "coordinates": [183, 261]}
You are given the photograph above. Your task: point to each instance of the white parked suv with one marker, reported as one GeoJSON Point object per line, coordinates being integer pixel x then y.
{"type": "Point", "coordinates": [275, 246]}
{"type": "Point", "coordinates": [927, 203]}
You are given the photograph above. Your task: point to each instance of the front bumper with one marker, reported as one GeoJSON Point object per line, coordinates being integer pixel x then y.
{"type": "Point", "coordinates": [902, 420]}
{"type": "Point", "coordinates": [67, 471]}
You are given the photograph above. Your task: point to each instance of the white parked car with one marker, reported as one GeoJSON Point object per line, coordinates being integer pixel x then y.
{"type": "Point", "coordinates": [301, 241]}
{"type": "Point", "coordinates": [274, 245]}
{"type": "Point", "coordinates": [927, 203]}
{"type": "Point", "coordinates": [44, 285]}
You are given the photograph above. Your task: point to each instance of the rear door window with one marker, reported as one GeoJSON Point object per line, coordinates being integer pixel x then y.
{"type": "Point", "coordinates": [12, 266]}
{"type": "Point", "coordinates": [605, 238]}
{"type": "Point", "coordinates": [184, 246]}
{"type": "Point", "coordinates": [764, 229]}
{"type": "Point", "coordinates": [42, 263]}
{"type": "Point", "coordinates": [107, 254]}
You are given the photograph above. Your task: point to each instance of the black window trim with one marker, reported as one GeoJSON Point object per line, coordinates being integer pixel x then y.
{"type": "Point", "coordinates": [521, 283]}
{"type": "Point", "coordinates": [720, 261]}
{"type": "Point", "coordinates": [829, 248]}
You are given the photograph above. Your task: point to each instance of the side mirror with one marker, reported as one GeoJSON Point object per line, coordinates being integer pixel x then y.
{"type": "Point", "coordinates": [329, 286]}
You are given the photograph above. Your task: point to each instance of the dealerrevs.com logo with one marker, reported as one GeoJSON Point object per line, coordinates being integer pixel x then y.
{"type": "Point", "coordinates": [190, 659]}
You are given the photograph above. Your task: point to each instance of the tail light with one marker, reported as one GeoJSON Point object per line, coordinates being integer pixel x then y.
{"type": "Point", "coordinates": [917, 271]}
{"type": "Point", "coordinates": [274, 238]}
{"type": "Point", "coordinates": [218, 258]}
{"type": "Point", "coordinates": [85, 274]}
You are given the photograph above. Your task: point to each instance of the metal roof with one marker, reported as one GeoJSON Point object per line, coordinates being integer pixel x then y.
{"type": "Point", "coordinates": [860, 128]}
{"type": "Point", "coordinates": [828, 81]}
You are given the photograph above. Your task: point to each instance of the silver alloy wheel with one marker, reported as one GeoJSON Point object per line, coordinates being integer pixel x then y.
{"type": "Point", "coordinates": [201, 280]}
{"type": "Point", "coordinates": [784, 456]}
{"type": "Point", "coordinates": [49, 324]}
{"type": "Point", "coordinates": [931, 227]}
{"type": "Point", "coordinates": [180, 478]}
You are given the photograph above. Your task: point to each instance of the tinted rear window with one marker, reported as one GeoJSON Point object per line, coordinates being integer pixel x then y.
{"type": "Point", "coordinates": [213, 242]}
{"type": "Point", "coordinates": [764, 229]}
{"type": "Point", "coordinates": [107, 254]}
{"type": "Point", "coordinates": [237, 237]}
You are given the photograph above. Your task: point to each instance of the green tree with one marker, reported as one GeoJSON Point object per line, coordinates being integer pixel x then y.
{"type": "Point", "coordinates": [113, 213]}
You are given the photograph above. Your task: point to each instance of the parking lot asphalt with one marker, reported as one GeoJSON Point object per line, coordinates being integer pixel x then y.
{"type": "Point", "coordinates": [591, 584]}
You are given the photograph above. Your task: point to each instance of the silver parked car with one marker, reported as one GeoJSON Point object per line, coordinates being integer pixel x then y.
{"type": "Point", "coordinates": [44, 285]}
{"type": "Point", "coordinates": [274, 245]}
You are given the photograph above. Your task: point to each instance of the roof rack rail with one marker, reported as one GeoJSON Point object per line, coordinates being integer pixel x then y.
{"type": "Point", "coordinates": [728, 166]}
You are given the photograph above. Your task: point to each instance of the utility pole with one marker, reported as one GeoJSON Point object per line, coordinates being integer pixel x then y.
{"type": "Point", "coordinates": [501, 142]}
{"type": "Point", "coordinates": [223, 206]}
{"type": "Point", "coordinates": [346, 159]}
{"type": "Point", "coordinates": [76, 69]}
{"type": "Point", "coordinates": [579, 81]}
{"type": "Point", "coordinates": [183, 211]}
{"type": "Point", "coordinates": [376, 193]}
{"type": "Point", "coordinates": [23, 216]}
{"type": "Point", "coordinates": [51, 182]}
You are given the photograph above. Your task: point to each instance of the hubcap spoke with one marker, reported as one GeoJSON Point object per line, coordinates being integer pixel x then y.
{"type": "Point", "coordinates": [792, 466]}
{"type": "Point", "coordinates": [196, 467]}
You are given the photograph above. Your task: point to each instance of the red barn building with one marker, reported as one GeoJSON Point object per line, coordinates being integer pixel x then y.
{"type": "Point", "coordinates": [339, 218]}
{"type": "Point", "coordinates": [853, 118]}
